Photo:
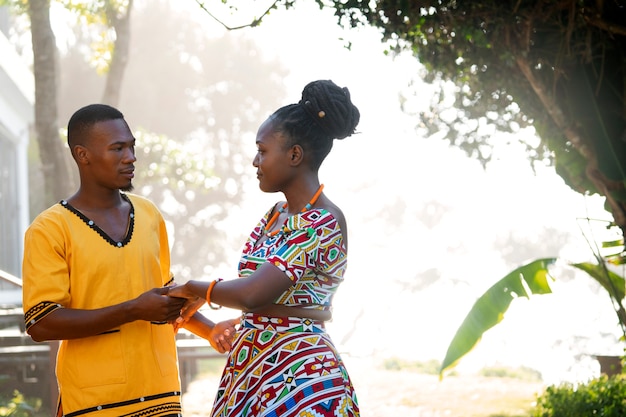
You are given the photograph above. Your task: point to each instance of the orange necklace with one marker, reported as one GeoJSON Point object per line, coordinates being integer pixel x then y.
{"type": "Point", "coordinates": [284, 207]}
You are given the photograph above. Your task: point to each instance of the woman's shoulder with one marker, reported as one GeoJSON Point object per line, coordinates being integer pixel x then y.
{"type": "Point", "coordinates": [331, 220]}
{"type": "Point", "coordinates": [337, 214]}
{"type": "Point", "coordinates": [332, 208]}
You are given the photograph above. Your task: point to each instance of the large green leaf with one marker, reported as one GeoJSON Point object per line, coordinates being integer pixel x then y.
{"type": "Point", "coordinates": [489, 309]}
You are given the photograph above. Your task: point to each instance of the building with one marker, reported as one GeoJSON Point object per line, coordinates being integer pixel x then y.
{"type": "Point", "coordinates": [16, 119]}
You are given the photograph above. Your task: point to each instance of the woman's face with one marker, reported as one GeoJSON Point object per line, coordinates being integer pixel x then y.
{"type": "Point", "coordinates": [272, 158]}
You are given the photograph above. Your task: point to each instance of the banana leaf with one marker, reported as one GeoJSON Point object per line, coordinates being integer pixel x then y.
{"type": "Point", "coordinates": [489, 309]}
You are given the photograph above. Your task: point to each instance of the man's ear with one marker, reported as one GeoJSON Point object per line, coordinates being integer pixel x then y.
{"type": "Point", "coordinates": [81, 155]}
{"type": "Point", "coordinates": [297, 155]}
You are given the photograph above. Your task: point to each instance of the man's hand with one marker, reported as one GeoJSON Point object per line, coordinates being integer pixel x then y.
{"type": "Point", "coordinates": [156, 305]}
{"type": "Point", "coordinates": [222, 335]}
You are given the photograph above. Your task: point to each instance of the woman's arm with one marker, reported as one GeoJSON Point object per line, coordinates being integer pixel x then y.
{"type": "Point", "coordinates": [255, 293]}
{"type": "Point", "coordinates": [246, 294]}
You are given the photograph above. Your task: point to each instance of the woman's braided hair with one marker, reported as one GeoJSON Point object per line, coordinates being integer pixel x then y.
{"type": "Point", "coordinates": [324, 113]}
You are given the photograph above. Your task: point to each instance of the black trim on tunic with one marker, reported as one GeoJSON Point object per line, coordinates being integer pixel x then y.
{"type": "Point", "coordinates": [101, 232]}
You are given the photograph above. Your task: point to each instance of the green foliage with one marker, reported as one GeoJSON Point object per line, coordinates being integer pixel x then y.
{"type": "Point", "coordinates": [101, 17]}
{"type": "Point", "coordinates": [484, 47]}
{"type": "Point", "coordinates": [603, 396]}
{"type": "Point", "coordinates": [171, 162]}
{"type": "Point", "coordinates": [555, 66]}
{"type": "Point", "coordinates": [489, 309]}
{"type": "Point", "coordinates": [18, 406]}
{"type": "Point", "coordinates": [182, 182]}
{"type": "Point", "coordinates": [17, 6]}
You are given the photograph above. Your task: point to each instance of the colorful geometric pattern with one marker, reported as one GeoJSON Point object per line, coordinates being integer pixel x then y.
{"type": "Point", "coordinates": [311, 252]}
{"type": "Point", "coordinates": [288, 366]}
{"type": "Point", "coordinates": [277, 369]}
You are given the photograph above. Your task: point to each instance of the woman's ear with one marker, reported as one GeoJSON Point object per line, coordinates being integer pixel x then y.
{"type": "Point", "coordinates": [297, 155]}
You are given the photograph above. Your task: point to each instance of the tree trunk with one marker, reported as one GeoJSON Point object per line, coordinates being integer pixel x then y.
{"type": "Point", "coordinates": [53, 155]}
{"type": "Point", "coordinates": [604, 185]}
{"type": "Point", "coordinates": [121, 49]}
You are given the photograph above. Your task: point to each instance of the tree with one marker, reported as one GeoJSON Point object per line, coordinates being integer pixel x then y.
{"type": "Point", "coordinates": [192, 118]}
{"type": "Point", "coordinates": [55, 166]}
{"type": "Point", "coordinates": [559, 66]}
{"type": "Point", "coordinates": [563, 64]}
{"type": "Point", "coordinates": [119, 18]}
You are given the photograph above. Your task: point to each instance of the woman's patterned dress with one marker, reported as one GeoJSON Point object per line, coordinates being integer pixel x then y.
{"type": "Point", "coordinates": [288, 366]}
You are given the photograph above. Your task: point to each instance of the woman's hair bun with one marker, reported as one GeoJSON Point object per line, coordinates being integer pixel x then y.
{"type": "Point", "coordinates": [331, 108]}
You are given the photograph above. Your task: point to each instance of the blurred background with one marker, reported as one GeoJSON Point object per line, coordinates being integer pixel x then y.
{"type": "Point", "coordinates": [430, 228]}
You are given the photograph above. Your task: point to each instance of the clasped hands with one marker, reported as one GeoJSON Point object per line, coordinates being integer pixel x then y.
{"type": "Point", "coordinates": [220, 335]}
{"type": "Point", "coordinates": [190, 307]}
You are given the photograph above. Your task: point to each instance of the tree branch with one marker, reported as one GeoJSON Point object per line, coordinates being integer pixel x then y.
{"type": "Point", "coordinates": [252, 24]}
{"type": "Point", "coordinates": [601, 24]}
{"type": "Point", "coordinates": [603, 184]}
{"type": "Point", "coordinates": [121, 51]}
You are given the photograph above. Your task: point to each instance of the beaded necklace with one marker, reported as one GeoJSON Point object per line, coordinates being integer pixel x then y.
{"type": "Point", "coordinates": [284, 207]}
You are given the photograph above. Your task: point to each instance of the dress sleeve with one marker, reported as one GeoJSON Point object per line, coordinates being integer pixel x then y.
{"type": "Point", "coordinates": [295, 256]}
{"type": "Point", "coordinates": [44, 271]}
{"type": "Point", "coordinates": [310, 239]}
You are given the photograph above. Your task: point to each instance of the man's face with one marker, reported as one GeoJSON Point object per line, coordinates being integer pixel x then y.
{"type": "Point", "coordinates": [111, 154]}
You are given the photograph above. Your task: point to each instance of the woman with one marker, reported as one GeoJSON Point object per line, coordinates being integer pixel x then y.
{"type": "Point", "coordinates": [282, 362]}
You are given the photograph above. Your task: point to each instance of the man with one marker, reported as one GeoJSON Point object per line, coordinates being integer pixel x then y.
{"type": "Point", "coordinates": [95, 275]}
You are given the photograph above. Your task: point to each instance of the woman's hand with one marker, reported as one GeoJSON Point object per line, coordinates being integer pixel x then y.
{"type": "Point", "coordinates": [181, 291]}
{"type": "Point", "coordinates": [187, 311]}
{"type": "Point", "coordinates": [191, 304]}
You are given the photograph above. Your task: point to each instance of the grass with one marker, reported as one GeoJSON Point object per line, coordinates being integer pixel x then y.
{"type": "Point", "coordinates": [470, 396]}
{"type": "Point", "coordinates": [395, 388]}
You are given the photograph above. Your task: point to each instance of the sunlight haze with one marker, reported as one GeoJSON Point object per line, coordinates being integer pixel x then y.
{"type": "Point", "coordinates": [429, 229]}
{"type": "Point", "coordinates": [387, 176]}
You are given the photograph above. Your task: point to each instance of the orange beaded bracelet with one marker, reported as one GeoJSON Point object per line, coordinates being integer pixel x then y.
{"type": "Point", "coordinates": [208, 294]}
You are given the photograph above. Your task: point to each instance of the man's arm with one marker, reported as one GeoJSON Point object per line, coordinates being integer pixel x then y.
{"type": "Point", "coordinates": [67, 323]}
{"type": "Point", "coordinates": [220, 335]}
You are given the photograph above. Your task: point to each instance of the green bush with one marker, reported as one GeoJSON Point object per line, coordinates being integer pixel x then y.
{"type": "Point", "coordinates": [18, 406]}
{"type": "Point", "coordinates": [603, 396]}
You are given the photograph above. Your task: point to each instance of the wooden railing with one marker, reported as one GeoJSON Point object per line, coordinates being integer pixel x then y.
{"type": "Point", "coordinates": [4, 275]}
{"type": "Point", "coordinates": [29, 366]}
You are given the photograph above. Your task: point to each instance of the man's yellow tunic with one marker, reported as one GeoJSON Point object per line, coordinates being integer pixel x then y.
{"type": "Point", "coordinates": [71, 263]}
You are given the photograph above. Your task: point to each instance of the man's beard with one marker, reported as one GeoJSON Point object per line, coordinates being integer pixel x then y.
{"type": "Point", "coordinates": [128, 188]}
